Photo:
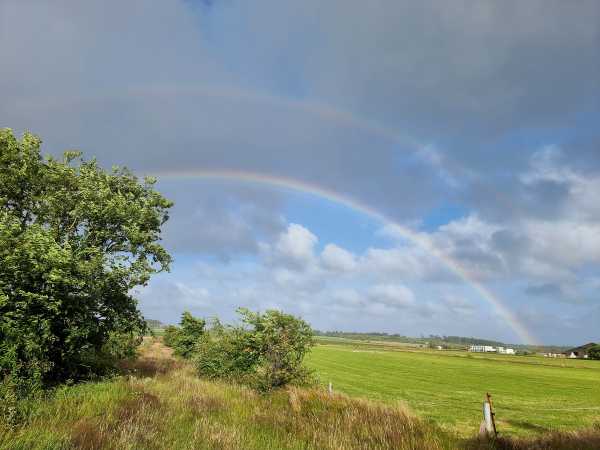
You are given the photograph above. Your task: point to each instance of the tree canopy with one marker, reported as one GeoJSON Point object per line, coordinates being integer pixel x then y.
{"type": "Point", "coordinates": [75, 239]}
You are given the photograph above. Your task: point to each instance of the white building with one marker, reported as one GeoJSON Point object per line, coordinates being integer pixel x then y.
{"type": "Point", "coordinates": [482, 348]}
{"type": "Point", "coordinates": [506, 351]}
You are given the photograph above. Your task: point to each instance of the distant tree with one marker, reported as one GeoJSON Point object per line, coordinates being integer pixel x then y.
{"type": "Point", "coordinates": [170, 336]}
{"type": "Point", "coordinates": [74, 241]}
{"type": "Point", "coordinates": [187, 336]}
{"type": "Point", "coordinates": [594, 352]}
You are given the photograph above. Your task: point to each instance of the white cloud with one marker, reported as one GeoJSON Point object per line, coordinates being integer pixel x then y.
{"type": "Point", "coordinates": [337, 259]}
{"type": "Point", "coordinates": [458, 305]}
{"type": "Point", "coordinates": [294, 248]}
{"type": "Point", "coordinates": [347, 297]}
{"type": "Point", "coordinates": [393, 295]}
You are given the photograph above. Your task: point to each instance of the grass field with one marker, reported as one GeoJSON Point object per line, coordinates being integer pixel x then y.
{"type": "Point", "coordinates": [161, 403]}
{"type": "Point", "coordinates": [530, 394]}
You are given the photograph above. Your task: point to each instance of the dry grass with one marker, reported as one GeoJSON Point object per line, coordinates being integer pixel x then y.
{"type": "Point", "coordinates": [154, 359]}
{"type": "Point", "coordinates": [162, 404]}
{"type": "Point", "coordinates": [339, 422]}
{"type": "Point", "coordinates": [136, 419]}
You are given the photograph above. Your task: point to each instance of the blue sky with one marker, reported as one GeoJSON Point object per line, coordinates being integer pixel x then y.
{"type": "Point", "coordinates": [472, 124]}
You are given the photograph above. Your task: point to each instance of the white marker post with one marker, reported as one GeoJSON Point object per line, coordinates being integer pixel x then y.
{"type": "Point", "coordinates": [330, 389]}
{"type": "Point", "coordinates": [487, 418]}
{"type": "Point", "coordinates": [489, 421]}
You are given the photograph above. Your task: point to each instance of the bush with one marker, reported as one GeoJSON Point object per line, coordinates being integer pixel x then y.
{"type": "Point", "coordinates": [265, 351]}
{"type": "Point", "coordinates": [189, 334]}
{"type": "Point", "coordinates": [170, 336]}
{"type": "Point", "coordinates": [183, 339]}
{"type": "Point", "coordinates": [225, 352]}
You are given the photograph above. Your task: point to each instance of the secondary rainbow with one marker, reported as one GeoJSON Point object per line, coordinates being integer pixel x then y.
{"type": "Point", "coordinates": [417, 238]}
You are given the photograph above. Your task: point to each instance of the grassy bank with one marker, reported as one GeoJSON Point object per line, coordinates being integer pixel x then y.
{"type": "Point", "coordinates": [162, 404]}
{"type": "Point", "coordinates": [532, 395]}
{"type": "Point", "coordinates": [166, 406]}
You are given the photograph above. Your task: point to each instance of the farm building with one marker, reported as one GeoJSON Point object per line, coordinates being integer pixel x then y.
{"type": "Point", "coordinates": [553, 355]}
{"type": "Point", "coordinates": [482, 348]}
{"type": "Point", "coordinates": [506, 351]}
{"type": "Point", "coordinates": [579, 352]}
{"type": "Point", "coordinates": [491, 349]}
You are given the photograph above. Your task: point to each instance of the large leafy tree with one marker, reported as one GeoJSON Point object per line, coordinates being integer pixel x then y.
{"type": "Point", "coordinates": [75, 240]}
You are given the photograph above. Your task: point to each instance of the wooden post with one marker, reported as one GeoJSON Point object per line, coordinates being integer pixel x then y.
{"type": "Point", "coordinates": [492, 414]}
{"type": "Point", "coordinates": [486, 426]}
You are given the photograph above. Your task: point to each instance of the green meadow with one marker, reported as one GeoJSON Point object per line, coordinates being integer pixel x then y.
{"type": "Point", "coordinates": [531, 395]}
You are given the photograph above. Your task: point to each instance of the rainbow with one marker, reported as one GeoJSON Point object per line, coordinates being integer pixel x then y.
{"type": "Point", "coordinates": [416, 238]}
{"type": "Point", "coordinates": [327, 113]}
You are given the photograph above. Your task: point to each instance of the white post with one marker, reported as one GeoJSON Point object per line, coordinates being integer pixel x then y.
{"type": "Point", "coordinates": [487, 418]}
{"type": "Point", "coordinates": [330, 389]}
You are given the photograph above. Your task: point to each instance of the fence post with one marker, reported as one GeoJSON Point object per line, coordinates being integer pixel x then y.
{"type": "Point", "coordinates": [489, 399]}
{"type": "Point", "coordinates": [489, 419]}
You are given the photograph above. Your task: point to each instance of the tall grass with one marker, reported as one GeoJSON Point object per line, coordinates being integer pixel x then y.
{"type": "Point", "coordinates": [161, 404]}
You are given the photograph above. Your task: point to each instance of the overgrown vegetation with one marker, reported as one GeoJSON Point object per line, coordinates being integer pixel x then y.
{"type": "Point", "coordinates": [265, 350]}
{"type": "Point", "coordinates": [74, 240]}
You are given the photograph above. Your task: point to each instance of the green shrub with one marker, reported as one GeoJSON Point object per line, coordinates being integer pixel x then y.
{"type": "Point", "coordinates": [170, 336]}
{"type": "Point", "coordinates": [265, 351]}
{"type": "Point", "coordinates": [184, 338]}
{"type": "Point", "coordinates": [190, 331]}
{"type": "Point", "coordinates": [225, 352]}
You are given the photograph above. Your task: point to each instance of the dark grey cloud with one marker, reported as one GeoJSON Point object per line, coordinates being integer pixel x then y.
{"type": "Point", "coordinates": [403, 106]}
{"type": "Point", "coordinates": [221, 219]}
{"type": "Point", "coordinates": [458, 76]}
{"type": "Point", "coordinates": [467, 68]}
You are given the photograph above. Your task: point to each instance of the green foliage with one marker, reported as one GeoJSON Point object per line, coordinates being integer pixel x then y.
{"type": "Point", "coordinates": [190, 332]}
{"type": "Point", "coordinates": [74, 240]}
{"type": "Point", "coordinates": [226, 352]}
{"type": "Point", "coordinates": [594, 352]}
{"type": "Point", "coordinates": [183, 339]}
{"type": "Point", "coordinates": [265, 351]}
{"type": "Point", "coordinates": [170, 336]}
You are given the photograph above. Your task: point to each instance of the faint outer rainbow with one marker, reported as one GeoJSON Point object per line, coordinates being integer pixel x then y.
{"type": "Point", "coordinates": [418, 239]}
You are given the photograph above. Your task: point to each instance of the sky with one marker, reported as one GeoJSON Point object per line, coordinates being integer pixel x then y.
{"type": "Point", "coordinates": [392, 166]}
